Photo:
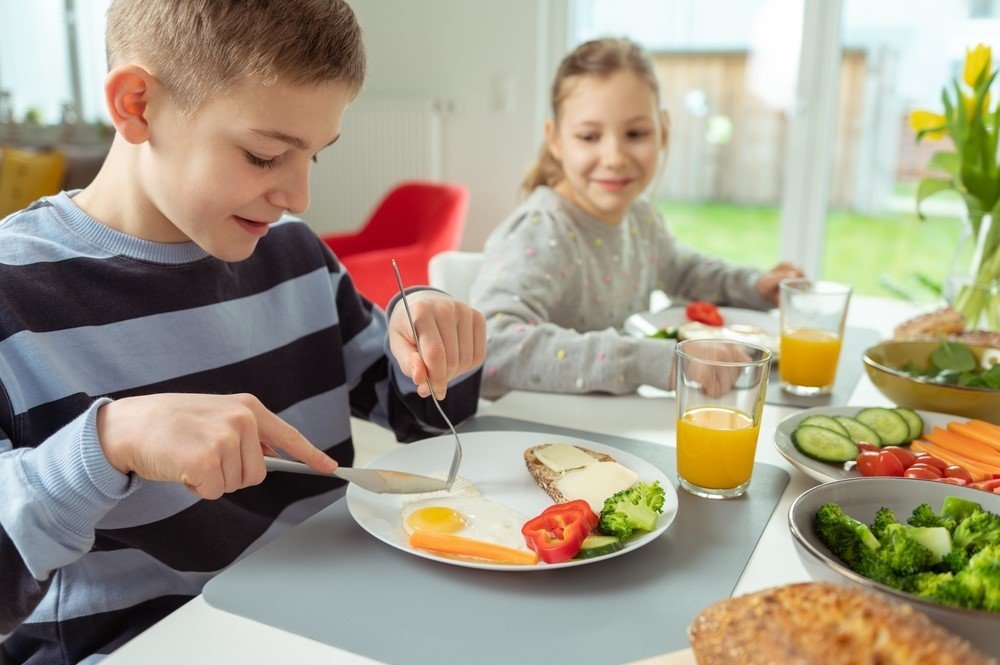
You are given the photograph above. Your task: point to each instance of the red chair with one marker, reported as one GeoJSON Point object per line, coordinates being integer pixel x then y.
{"type": "Point", "coordinates": [414, 221]}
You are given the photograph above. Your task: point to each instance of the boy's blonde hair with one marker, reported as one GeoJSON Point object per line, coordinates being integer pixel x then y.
{"type": "Point", "coordinates": [196, 48]}
{"type": "Point", "coordinates": [601, 58]}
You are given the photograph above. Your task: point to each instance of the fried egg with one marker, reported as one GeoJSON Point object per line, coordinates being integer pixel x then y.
{"type": "Point", "coordinates": [466, 516]}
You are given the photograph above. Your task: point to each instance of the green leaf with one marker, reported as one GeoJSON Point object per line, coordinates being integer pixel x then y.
{"type": "Point", "coordinates": [992, 377]}
{"type": "Point", "coordinates": [928, 187]}
{"type": "Point", "coordinates": [954, 356]}
{"type": "Point", "coordinates": [980, 185]}
{"type": "Point", "coordinates": [945, 160]}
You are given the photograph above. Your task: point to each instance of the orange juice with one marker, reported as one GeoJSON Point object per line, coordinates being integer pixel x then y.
{"type": "Point", "coordinates": [715, 447]}
{"type": "Point", "coordinates": [809, 357]}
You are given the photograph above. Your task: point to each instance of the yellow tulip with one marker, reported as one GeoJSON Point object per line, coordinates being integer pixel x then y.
{"type": "Point", "coordinates": [970, 103]}
{"type": "Point", "coordinates": [976, 61]}
{"type": "Point", "coordinates": [925, 120]}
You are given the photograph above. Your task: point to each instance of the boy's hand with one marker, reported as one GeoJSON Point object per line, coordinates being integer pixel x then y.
{"type": "Point", "coordinates": [767, 285]}
{"type": "Point", "coordinates": [212, 443]}
{"type": "Point", "coordinates": [452, 339]}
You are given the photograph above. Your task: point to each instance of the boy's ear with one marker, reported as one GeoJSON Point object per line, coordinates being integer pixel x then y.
{"type": "Point", "coordinates": [127, 93]}
{"type": "Point", "coordinates": [552, 141]}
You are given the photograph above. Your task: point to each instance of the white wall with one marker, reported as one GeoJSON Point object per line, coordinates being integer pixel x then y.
{"type": "Point", "coordinates": [461, 51]}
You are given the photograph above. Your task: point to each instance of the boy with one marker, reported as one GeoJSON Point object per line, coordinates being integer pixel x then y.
{"type": "Point", "coordinates": [163, 329]}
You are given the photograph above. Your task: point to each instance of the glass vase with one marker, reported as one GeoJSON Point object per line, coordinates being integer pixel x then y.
{"type": "Point", "coordinates": [973, 283]}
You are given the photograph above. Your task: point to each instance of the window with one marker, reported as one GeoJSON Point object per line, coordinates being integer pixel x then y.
{"type": "Point", "coordinates": [750, 170]}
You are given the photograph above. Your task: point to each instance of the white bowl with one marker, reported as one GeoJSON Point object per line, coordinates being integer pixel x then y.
{"type": "Point", "coordinates": [861, 498]}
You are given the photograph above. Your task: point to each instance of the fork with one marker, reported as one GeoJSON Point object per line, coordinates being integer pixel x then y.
{"type": "Point", "coordinates": [456, 460]}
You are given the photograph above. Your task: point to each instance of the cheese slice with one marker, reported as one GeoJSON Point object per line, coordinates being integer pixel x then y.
{"type": "Point", "coordinates": [562, 457]}
{"type": "Point", "coordinates": [596, 482]}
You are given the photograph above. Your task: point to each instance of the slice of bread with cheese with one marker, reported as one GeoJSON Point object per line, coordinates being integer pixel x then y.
{"type": "Point", "coordinates": [567, 472]}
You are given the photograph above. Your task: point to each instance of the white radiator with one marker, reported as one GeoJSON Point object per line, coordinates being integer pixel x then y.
{"type": "Point", "coordinates": [383, 142]}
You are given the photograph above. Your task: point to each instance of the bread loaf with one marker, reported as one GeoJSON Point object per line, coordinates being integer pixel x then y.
{"type": "Point", "coordinates": [546, 477]}
{"type": "Point", "coordinates": [817, 622]}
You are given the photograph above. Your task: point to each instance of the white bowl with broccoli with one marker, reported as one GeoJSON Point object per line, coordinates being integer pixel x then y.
{"type": "Point", "coordinates": [946, 564]}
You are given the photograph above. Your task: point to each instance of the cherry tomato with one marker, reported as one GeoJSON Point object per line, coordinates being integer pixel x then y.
{"type": "Point", "coordinates": [951, 481]}
{"type": "Point", "coordinates": [938, 473]}
{"type": "Point", "coordinates": [906, 457]}
{"type": "Point", "coordinates": [704, 312]}
{"type": "Point", "coordinates": [864, 446]}
{"type": "Point", "coordinates": [866, 463]}
{"type": "Point", "coordinates": [922, 472]}
{"type": "Point", "coordinates": [955, 471]}
{"type": "Point", "coordinates": [924, 458]}
{"type": "Point", "coordinates": [888, 464]}
{"type": "Point", "coordinates": [988, 485]}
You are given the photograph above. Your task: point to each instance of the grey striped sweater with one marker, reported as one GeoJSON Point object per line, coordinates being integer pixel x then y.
{"type": "Point", "coordinates": [89, 557]}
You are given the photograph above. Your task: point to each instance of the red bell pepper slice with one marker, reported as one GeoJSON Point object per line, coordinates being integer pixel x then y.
{"type": "Point", "coordinates": [589, 516]}
{"type": "Point", "coordinates": [556, 535]}
{"type": "Point", "coordinates": [704, 312]}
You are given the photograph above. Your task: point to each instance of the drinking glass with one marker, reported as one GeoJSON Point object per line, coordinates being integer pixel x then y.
{"type": "Point", "coordinates": [720, 396]}
{"type": "Point", "coordinates": [812, 327]}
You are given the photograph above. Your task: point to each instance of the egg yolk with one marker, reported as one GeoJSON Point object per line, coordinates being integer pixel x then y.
{"type": "Point", "coordinates": [436, 519]}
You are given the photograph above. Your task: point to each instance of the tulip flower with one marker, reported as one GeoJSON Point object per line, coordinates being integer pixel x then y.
{"type": "Point", "coordinates": [933, 125]}
{"type": "Point", "coordinates": [977, 61]}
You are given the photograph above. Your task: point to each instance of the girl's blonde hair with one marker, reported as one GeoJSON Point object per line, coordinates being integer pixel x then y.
{"type": "Point", "coordinates": [599, 57]}
{"type": "Point", "coordinates": [197, 48]}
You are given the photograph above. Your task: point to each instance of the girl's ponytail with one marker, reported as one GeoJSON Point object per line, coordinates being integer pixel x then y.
{"type": "Point", "coordinates": [546, 171]}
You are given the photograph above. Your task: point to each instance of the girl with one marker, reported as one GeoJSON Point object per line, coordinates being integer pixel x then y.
{"type": "Point", "coordinates": [583, 252]}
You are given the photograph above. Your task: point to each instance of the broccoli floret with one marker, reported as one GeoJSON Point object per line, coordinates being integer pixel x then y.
{"type": "Point", "coordinates": [984, 573]}
{"type": "Point", "coordinates": [883, 518]}
{"type": "Point", "coordinates": [956, 510]}
{"type": "Point", "coordinates": [635, 508]}
{"type": "Point", "coordinates": [924, 516]}
{"type": "Point", "coordinates": [901, 553]}
{"type": "Point", "coordinates": [955, 560]}
{"type": "Point", "coordinates": [977, 531]}
{"type": "Point", "coordinates": [943, 588]}
{"type": "Point", "coordinates": [845, 536]}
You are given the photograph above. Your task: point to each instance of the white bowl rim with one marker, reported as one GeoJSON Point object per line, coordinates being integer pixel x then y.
{"type": "Point", "coordinates": [840, 568]}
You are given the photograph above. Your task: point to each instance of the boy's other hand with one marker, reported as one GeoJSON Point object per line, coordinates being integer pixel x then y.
{"type": "Point", "coordinates": [767, 285]}
{"type": "Point", "coordinates": [452, 339]}
{"type": "Point", "coordinates": [212, 443]}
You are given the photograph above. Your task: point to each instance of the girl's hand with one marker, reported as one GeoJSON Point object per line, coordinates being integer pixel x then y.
{"type": "Point", "coordinates": [452, 339]}
{"type": "Point", "coordinates": [767, 285]}
{"type": "Point", "coordinates": [714, 380]}
{"type": "Point", "coordinates": [214, 444]}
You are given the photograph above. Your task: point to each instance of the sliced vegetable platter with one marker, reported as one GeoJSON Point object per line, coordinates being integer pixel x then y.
{"type": "Point", "coordinates": [823, 439]}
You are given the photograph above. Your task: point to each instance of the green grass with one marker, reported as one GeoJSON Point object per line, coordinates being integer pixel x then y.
{"type": "Point", "coordinates": [891, 254]}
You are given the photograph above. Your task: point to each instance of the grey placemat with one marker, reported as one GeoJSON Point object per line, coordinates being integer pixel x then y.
{"type": "Point", "coordinates": [329, 580]}
{"type": "Point", "coordinates": [849, 370]}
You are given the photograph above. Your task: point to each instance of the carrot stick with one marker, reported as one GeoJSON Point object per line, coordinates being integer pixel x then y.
{"type": "Point", "coordinates": [471, 549]}
{"type": "Point", "coordinates": [984, 426]}
{"type": "Point", "coordinates": [975, 470]}
{"type": "Point", "coordinates": [966, 430]}
{"type": "Point", "coordinates": [963, 446]}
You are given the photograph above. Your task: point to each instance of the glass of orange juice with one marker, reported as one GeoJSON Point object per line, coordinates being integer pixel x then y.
{"type": "Point", "coordinates": [720, 396]}
{"type": "Point", "coordinates": [812, 327]}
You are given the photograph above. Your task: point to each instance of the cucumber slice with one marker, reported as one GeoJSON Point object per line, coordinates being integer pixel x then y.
{"type": "Point", "coordinates": [887, 422]}
{"type": "Point", "coordinates": [913, 421]}
{"type": "Point", "coordinates": [596, 545]}
{"type": "Point", "coordinates": [858, 431]}
{"type": "Point", "coordinates": [824, 444]}
{"type": "Point", "coordinates": [825, 421]}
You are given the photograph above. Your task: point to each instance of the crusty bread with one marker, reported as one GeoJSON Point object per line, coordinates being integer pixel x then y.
{"type": "Point", "coordinates": [942, 324]}
{"type": "Point", "coordinates": [546, 477]}
{"type": "Point", "coordinates": [818, 622]}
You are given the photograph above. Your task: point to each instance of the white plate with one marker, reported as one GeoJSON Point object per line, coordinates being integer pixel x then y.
{"type": "Point", "coordinates": [823, 471]}
{"type": "Point", "coordinates": [494, 463]}
{"type": "Point", "coordinates": [647, 323]}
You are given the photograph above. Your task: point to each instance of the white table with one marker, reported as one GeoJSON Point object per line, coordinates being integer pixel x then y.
{"type": "Point", "coordinates": [198, 633]}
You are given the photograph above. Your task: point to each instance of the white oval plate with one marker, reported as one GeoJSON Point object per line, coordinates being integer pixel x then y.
{"type": "Point", "coordinates": [823, 471]}
{"type": "Point", "coordinates": [494, 463]}
{"type": "Point", "coordinates": [646, 323]}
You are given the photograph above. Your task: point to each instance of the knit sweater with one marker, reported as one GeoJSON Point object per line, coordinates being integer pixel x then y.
{"type": "Point", "coordinates": [89, 556]}
{"type": "Point", "coordinates": [557, 285]}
